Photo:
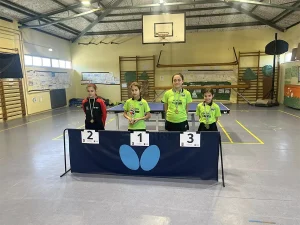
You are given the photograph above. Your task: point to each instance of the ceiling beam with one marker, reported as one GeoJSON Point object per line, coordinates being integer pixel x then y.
{"type": "Point", "coordinates": [60, 20]}
{"type": "Point", "coordinates": [293, 25]}
{"type": "Point", "coordinates": [77, 5]}
{"type": "Point", "coordinates": [28, 12]}
{"type": "Point", "coordinates": [169, 11]}
{"type": "Point", "coordinates": [101, 4]}
{"type": "Point", "coordinates": [71, 7]}
{"type": "Point", "coordinates": [255, 7]}
{"type": "Point", "coordinates": [284, 14]}
{"type": "Point", "coordinates": [193, 16]}
{"type": "Point", "coordinates": [96, 21]}
{"type": "Point", "coordinates": [262, 4]}
{"type": "Point", "coordinates": [198, 27]}
{"type": "Point", "coordinates": [72, 10]}
{"type": "Point", "coordinates": [168, 4]}
{"type": "Point", "coordinates": [246, 12]}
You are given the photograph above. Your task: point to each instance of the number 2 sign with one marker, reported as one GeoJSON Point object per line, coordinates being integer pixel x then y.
{"type": "Point", "coordinates": [89, 137]}
{"type": "Point", "coordinates": [190, 139]}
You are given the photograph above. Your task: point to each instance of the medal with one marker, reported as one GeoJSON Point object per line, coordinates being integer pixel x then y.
{"type": "Point", "coordinates": [176, 111]}
{"type": "Point", "coordinates": [92, 121]}
{"type": "Point", "coordinates": [207, 126]}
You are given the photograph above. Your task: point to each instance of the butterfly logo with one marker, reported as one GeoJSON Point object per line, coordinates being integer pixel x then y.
{"type": "Point", "coordinates": [148, 161]}
{"type": "Point", "coordinates": [132, 112]}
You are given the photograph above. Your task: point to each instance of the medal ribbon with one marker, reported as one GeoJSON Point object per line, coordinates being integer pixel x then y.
{"type": "Point", "coordinates": [133, 110]}
{"type": "Point", "coordinates": [91, 107]}
{"type": "Point", "coordinates": [206, 115]}
{"type": "Point", "coordinates": [177, 101]}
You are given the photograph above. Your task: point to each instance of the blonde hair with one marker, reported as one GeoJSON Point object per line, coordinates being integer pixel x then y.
{"type": "Point", "coordinates": [136, 84]}
{"type": "Point", "coordinates": [92, 85]}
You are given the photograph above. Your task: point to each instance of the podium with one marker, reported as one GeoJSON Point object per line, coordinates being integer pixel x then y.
{"type": "Point", "coordinates": [164, 156]}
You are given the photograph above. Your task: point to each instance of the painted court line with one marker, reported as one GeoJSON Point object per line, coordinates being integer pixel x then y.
{"type": "Point", "coordinates": [259, 221]}
{"type": "Point", "coordinates": [32, 122]}
{"type": "Point", "coordinates": [58, 137]}
{"type": "Point", "coordinates": [289, 114]}
{"type": "Point", "coordinates": [242, 143]}
{"type": "Point", "coordinates": [259, 140]}
{"type": "Point", "coordinates": [226, 133]}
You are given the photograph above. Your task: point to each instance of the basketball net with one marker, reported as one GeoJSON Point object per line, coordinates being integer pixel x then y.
{"type": "Point", "coordinates": [162, 35]}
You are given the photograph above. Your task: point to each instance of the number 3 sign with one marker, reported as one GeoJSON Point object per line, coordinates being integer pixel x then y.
{"type": "Point", "coordinates": [89, 137]}
{"type": "Point", "coordinates": [190, 139]}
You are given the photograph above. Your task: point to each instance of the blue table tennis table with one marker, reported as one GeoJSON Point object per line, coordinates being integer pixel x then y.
{"type": "Point", "coordinates": [157, 108]}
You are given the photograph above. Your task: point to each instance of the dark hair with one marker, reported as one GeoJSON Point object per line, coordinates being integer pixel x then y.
{"type": "Point", "coordinates": [137, 85]}
{"type": "Point", "coordinates": [209, 90]}
{"type": "Point", "coordinates": [92, 85]}
{"type": "Point", "coordinates": [180, 74]}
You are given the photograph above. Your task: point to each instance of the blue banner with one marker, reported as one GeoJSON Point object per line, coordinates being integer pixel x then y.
{"type": "Point", "coordinates": [164, 157]}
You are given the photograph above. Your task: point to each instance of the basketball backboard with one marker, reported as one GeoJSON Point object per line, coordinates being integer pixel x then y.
{"type": "Point", "coordinates": [164, 28]}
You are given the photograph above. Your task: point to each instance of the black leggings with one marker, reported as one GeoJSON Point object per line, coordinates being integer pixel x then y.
{"type": "Point", "coordinates": [94, 126]}
{"type": "Point", "coordinates": [212, 127]}
{"type": "Point", "coordinates": [183, 126]}
{"type": "Point", "coordinates": [137, 130]}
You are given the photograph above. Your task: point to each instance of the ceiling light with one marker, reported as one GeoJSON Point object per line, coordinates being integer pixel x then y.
{"type": "Point", "coordinates": [86, 2]}
{"type": "Point", "coordinates": [50, 49]}
{"type": "Point", "coordinates": [161, 1]}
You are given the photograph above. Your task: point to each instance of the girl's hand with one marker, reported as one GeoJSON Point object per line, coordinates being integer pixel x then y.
{"type": "Point", "coordinates": [135, 121]}
{"type": "Point", "coordinates": [130, 120]}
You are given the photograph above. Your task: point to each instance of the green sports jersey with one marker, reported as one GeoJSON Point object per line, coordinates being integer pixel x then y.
{"type": "Point", "coordinates": [136, 109]}
{"type": "Point", "coordinates": [208, 114]}
{"type": "Point", "coordinates": [177, 102]}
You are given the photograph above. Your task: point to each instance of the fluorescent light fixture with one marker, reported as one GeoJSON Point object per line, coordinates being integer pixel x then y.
{"type": "Point", "coordinates": [50, 50]}
{"type": "Point", "coordinates": [86, 2]}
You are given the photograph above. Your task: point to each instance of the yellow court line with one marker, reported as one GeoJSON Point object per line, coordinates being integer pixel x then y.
{"type": "Point", "coordinates": [243, 143]}
{"type": "Point", "coordinates": [227, 135]}
{"type": "Point", "coordinates": [254, 110]}
{"type": "Point", "coordinates": [259, 140]}
{"type": "Point", "coordinates": [57, 138]}
{"type": "Point", "coordinates": [289, 114]}
{"type": "Point", "coordinates": [32, 122]}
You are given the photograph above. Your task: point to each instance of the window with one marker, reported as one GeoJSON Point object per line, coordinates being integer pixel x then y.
{"type": "Point", "coordinates": [36, 61]}
{"type": "Point", "coordinates": [28, 60]}
{"type": "Point", "coordinates": [62, 64]}
{"type": "Point", "coordinates": [46, 62]}
{"type": "Point", "coordinates": [55, 63]}
{"type": "Point", "coordinates": [288, 57]}
{"type": "Point", "coordinates": [68, 65]}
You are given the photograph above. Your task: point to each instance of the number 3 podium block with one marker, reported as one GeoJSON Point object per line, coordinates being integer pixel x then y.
{"type": "Point", "coordinates": [162, 154]}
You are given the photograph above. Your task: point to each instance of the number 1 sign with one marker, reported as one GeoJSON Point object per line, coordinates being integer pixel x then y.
{"type": "Point", "coordinates": [190, 139]}
{"type": "Point", "coordinates": [139, 139]}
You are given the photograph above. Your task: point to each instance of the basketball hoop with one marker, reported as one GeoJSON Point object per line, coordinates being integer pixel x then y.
{"type": "Point", "coordinates": [162, 35]}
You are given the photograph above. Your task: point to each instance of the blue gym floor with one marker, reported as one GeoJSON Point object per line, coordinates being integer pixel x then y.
{"type": "Point", "coordinates": [261, 162]}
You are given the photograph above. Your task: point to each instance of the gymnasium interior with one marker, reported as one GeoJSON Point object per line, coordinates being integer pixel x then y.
{"type": "Point", "coordinates": [247, 51]}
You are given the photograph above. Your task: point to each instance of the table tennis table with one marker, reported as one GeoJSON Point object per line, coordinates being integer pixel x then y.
{"type": "Point", "coordinates": [158, 108]}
